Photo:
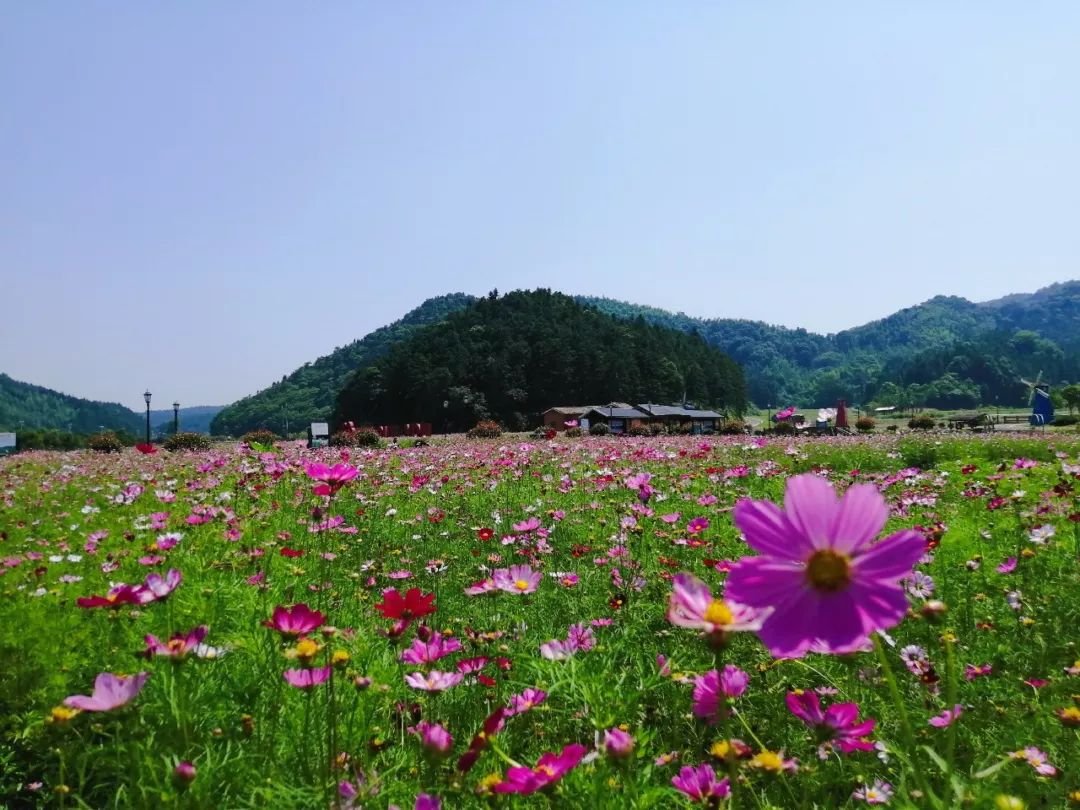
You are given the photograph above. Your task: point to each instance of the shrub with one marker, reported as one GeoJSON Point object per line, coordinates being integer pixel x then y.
{"type": "Point", "coordinates": [864, 424]}
{"type": "Point", "coordinates": [187, 441]}
{"type": "Point", "coordinates": [923, 421]}
{"type": "Point", "coordinates": [732, 427]}
{"type": "Point", "coordinates": [1066, 420]}
{"type": "Point", "coordinates": [106, 442]}
{"type": "Point", "coordinates": [599, 429]}
{"type": "Point", "coordinates": [784, 429]}
{"type": "Point", "coordinates": [573, 433]}
{"type": "Point", "coordinates": [485, 429]}
{"type": "Point", "coordinates": [357, 437]}
{"type": "Point", "coordinates": [260, 436]}
{"type": "Point", "coordinates": [639, 430]}
{"type": "Point", "coordinates": [656, 429]}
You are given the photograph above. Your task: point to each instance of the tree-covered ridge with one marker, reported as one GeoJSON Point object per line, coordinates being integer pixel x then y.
{"type": "Point", "coordinates": [195, 419]}
{"type": "Point", "coordinates": [307, 395]}
{"type": "Point", "coordinates": [24, 406]}
{"type": "Point", "coordinates": [510, 358]}
{"type": "Point", "coordinates": [946, 352]}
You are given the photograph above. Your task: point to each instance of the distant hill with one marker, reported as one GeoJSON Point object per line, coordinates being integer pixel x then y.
{"type": "Point", "coordinates": [509, 358]}
{"type": "Point", "coordinates": [307, 395]}
{"type": "Point", "coordinates": [24, 406]}
{"type": "Point", "coordinates": [954, 352]}
{"type": "Point", "coordinates": [195, 419]}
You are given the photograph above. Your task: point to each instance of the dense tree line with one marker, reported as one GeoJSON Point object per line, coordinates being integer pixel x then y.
{"type": "Point", "coordinates": [26, 407]}
{"type": "Point", "coordinates": [308, 394]}
{"type": "Point", "coordinates": [511, 357]}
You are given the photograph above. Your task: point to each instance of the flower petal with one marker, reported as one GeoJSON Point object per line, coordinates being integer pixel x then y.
{"type": "Point", "coordinates": [810, 505]}
{"type": "Point", "coordinates": [767, 530]}
{"type": "Point", "coordinates": [890, 559]}
{"type": "Point", "coordinates": [860, 518]}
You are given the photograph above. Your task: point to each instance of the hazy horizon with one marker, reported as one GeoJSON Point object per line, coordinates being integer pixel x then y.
{"type": "Point", "coordinates": [199, 199]}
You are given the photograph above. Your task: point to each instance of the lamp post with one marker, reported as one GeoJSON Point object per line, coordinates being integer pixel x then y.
{"type": "Point", "coordinates": [175, 418]}
{"type": "Point", "coordinates": [146, 396]}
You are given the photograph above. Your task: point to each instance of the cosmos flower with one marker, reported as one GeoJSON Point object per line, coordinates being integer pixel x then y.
{"type": "Point", "coordinates": [837, 724]}
{"type": "Point", "coordinates": [178, 646]}
{"type": "Point", "coordinates": [433, 681]}
{"type": "Point", "coordinates": [878, 793]}
{"type": "Point", "coordinates": [295, 621]}
{"type": "Point", "coordinates": [618, 744]}
{"type": "Point", "coordinates": [110, 692]}
{"type": "Point", "coordinates": [828, 584]}
{"type": "Point", "coordinates": [413, 605]}
{"type": "Point", "coordinates": [427, 652]}
{"type": "Point", "coordinates": [693, 606]}
{"type": "Point", "coordinates": [700, 784]}
{"type": "Point", "coordinates": [332, 478]}
{"type": "Point", "coordinates": [156, 587]}
{"type": "Point", "coordinates": [550, 768]}
{"type": "Point", "coordinates": [713, 688]}
{"type": "Point", "coordinates": [1036, 759]}
{"type": "Point", "coordinates": [518, 579]}
{"type": "Point", "coordinates": [528, 699]}
{"type": "Point", "coordinates": [306, 678]}
{"type": "Point", "coordinates": [434, 738]}
{"type": "Point", "coordinates": [947, 717]}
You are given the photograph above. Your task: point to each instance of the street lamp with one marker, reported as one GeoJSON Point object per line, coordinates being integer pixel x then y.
{"type": "Point", "coordinates": [147, 396]}
{"type": "Point", "coordinates": [175, 418]}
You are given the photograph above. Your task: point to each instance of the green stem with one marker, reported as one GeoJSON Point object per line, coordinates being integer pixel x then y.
{"type": "Point", "coordinates": [950, 691]}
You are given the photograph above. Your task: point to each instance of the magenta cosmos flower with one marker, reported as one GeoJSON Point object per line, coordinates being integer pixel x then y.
{"type": "Point", "coordinates": [178, 646]}
{"type": "Point", "coordinates": [332, 478]}
{"type": "Point", "coordinates": [550, 768]}
{"type": "Point", "coordinates": [713, 689]}
{"type": "Point", "coordinates": [110, 692]}
{"type": "Point", "coordinates": [828, 584]}
{"type": "Point", "coordinates": [700, 783]}
{"type": "Point", "coordinates": [519, 579]}
{"type": "Point", "coordinates": [294, 621]}
{"type": "Point", "coordinates": [837, 724]}
{"type": "Point", "coordinates": [434, 681]}
{"type": "Point", "coordinates": [306, 678]}
{"type": "Point", "coordinates": [692, 605]}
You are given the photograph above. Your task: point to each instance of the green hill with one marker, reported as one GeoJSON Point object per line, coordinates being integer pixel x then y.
{"type": "Point", "coordinates": [24, 406]}
{"type": "Point", "coordinates": [511, 357]}
{"type": "Point", "coordinates": [195, 419]}
{"type": "Point", "coordinates": [307, 395]}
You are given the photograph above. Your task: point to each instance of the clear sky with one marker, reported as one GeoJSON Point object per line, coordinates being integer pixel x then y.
{"type": "Point", "coordinates": [199, 197]}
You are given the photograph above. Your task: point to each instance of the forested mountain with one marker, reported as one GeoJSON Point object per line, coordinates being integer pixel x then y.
{"type": "Point", "coordinates": [307, 395]}
{"type": "Point", "coordinates": [24, 407]}
{"type": "Point", "coordinates": [511, 357]}
{"type": "Point", "coordinates": [946, 352]}
{"type": "Point", "coordinates": [195, 419]}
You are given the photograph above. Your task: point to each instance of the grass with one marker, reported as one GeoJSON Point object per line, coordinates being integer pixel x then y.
{"type": "Point", "coordinates": [256, 741]}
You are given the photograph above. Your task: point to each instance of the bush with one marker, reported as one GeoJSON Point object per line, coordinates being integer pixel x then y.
{"type": "Point", "coordinates": [923, 421]}
{"type": "Point", "coordinates": [639, 430]}
{"type": "Point", "coordinates": [599, 429]}
{"type": "Point", "coordinates": [1066, 420]}
{"type": "Point", "coordinates": [573, 433]}
{"type": "Point", "coordinates": [260, 436]}
{"type": "Point", "coordinates": [732, 427]}
{"type": "Point", "coordinates": [357, 437]}
{"type": "Point", "coordinates": [485, 429]}
{"type": "Point", "coordinates": [784, 429]}
{"type": "Point", "coordinates": [106, 442]}
{"type": "Point", "coordinates": [656, 429]}
{"type": "Point", "coordinates": [187, 441]}
{"type": "Point", "coordinates": [864, 424]}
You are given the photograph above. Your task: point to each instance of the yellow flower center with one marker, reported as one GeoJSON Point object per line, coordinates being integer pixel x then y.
{"type": "Point", "coordinates": [768, 761]}
{"type": "Point", "coordinates": [546, 769]}
{"type": "Point", "coordinates": [828, 570]}
{"type": "Point", "coordinates": [720, 749]}
{"type": "Point", "coordinates": [521, 585]}
{"type": "Point", "coordinates": [61, 714]}
{"type": "Point", "coordinates": [718, 613]}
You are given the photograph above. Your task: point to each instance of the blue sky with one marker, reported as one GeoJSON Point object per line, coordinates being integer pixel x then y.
{"type": "Point", "coordinates": [199, 197]}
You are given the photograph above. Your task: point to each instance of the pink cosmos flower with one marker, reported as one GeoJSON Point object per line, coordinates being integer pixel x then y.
{"type": "Point", "coordinates": [1008, 566]}
{"type": "Point", "coordinates": [550, 768]}
{"type": "Point", "coordinates": [692, 605]}
{"type": "Point", "coordinates": [333, 478]}
{"type": "Point", "coordinates": [427, 652]}
{"type": "Point", "coordinates": [618, 744]}
{"type": "Point", "coordinates": [529, 699]}
{"type": "Point", "coordinates": [519, 579]}
{"type": "Point", "coordinates": [1036, 759]}
{"type": "Point", "coordinates": [828, 584]}
{"type": "Point", "coordinates": [528, 525]}
{"type": "Point", "coordinates": [110, 692]}
{"type": "Point", "coordinates": [878, 793]}
{"type": "Point", "coordinates": [434, 738]}
{"type": "Point", "coordinates": [947, 717]}
{"type": "Point", "coordinates": [839, 723]}
{"type": "Point", "coordinates": [971, 672]}
{"type": "Point", "coordinates": [294, 621]}
{"type": "Point", "coordinates": [433, 681]}
{"type": "Point", "coordinates": [700, 784]}
{"type": "Point", "coordinates": [178, 646]}
{"type": "Point", "coordinates": [306, 678]}
{"type": "Point", "coordinates": [697, 525]}
{"type": "Point", "coordinates": [713, 688]}
{"type": "Point", "coordinates": [155, 587]}
{"type": "Point", "coordinates": [481, 587]}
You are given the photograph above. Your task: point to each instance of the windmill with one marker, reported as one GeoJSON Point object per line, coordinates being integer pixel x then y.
{"type": "Point", "coordinates": [1042, 407]}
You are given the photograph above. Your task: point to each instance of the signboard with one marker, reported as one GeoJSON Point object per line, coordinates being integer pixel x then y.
{"type": "Point", "coordinates": [7, 443]}
{"type": "Point", "coordinates": [318, 434]}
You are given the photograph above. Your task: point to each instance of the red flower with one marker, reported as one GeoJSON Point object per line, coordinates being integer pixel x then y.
{"type": "Point", "coordinates": [485, 534]}
{"type": "Point", "coordinates": [147, 449]}
{"type": "Point", "coordinates": [413, 605]}
{"type": "Point", "coordinates": [291, 552]}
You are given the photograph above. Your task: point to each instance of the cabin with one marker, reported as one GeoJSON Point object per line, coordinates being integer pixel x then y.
{"type": "Point", "coordinates": [683, 418]}
{"type": "Point", "coordinates": [618, 419]}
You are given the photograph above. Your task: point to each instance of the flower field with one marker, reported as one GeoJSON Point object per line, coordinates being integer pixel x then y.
{"type": "Point", "coordinates": [656, 622]}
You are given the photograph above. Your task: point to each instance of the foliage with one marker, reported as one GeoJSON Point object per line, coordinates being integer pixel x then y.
{"type": "Point", "coordinates": [573, 433]}
{"type": "Point", "coordinates": [485, 429]}
{"type": "Point", "coordinates": [187, 441]}
{"type": "Point", "coordinates": [640, 430]}
{"type": "Point", "coordinates": [784, 429]}
{"type": "Point", "coordinates": [30, 407]}
{"type": "Point", "coordinates": [865, 424]}
{"type": "Point", "coordinates": [195, 419]}
{"type": "Point", "coordinates": [358, 437]}
{"type": "Point", "coordinates": [732, 427]}
{"type": "Point", "coordinates": [599, 429]}
{"type": "Point", "coordinates": [260, 436]}
{"type": "Point", "coordinates": [51, 440]}
{"type": "Point", "coordinates": [509, 358]}
{"type": "Point", "coordinates": [105, 442]}
{"type": "Point", "coordinates": [923, 421]}
{"type": "Point", "coordinates": [307, 395]}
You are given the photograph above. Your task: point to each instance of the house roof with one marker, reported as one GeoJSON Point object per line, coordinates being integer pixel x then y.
{"type": "Point", "coordinates": [578, 410]}
{"type": "Point", "coordinates": [678, 410]}
{"type": "Point", "coordinates": [618, 413]}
